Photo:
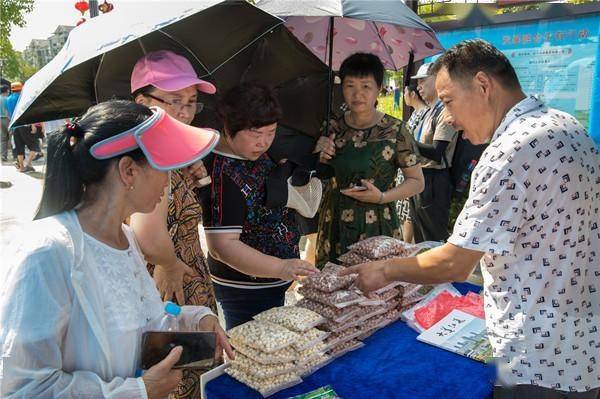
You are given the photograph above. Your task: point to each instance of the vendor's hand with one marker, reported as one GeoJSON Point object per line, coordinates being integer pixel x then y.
{"type": "Point", "coordinates": [160, 380]}
{"type": "Point", "coordinates": [371, 276]}
{"type": "Point", "coordinates": [169, 281]}
{"type": "Point", "coordinates": [325, 147]}
{"type": "Point", "coordinates": [371, 195]}
{"type": "Point", "coordinates": [211, 323]}
{"type": "Point", "coordinates": [196, 172]}
{"type": "Point", "coordinates": [293, 269]}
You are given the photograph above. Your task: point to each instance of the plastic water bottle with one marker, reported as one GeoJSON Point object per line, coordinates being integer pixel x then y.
{"type": "Point", "coordinates": [464, 179]}
{"type": "Point", "coordinates": [170, 321]}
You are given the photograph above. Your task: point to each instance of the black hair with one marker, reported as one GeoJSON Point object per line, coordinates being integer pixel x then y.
{"type": "Point", "coordinates": [412, 87]}
{"type": "Point", "coordinates": [4, 89]}
{"type": "Point", "coordinates": [362, 65]}
{"type": "Point", "coordinates": [70, 167]}
{"type": "Point", "coordinates": [248, 105]}
{"type": "Point", "coordinates": [468, 57]}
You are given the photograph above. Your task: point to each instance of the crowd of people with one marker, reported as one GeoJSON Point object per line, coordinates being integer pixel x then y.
{"type": "Point", "coordinates": [128, 183]}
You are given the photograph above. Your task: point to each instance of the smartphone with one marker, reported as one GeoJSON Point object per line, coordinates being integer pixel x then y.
{"type": "Point", "coordinates": [198, 348]}
{"type": "Point", "coordinates": [358, 188]}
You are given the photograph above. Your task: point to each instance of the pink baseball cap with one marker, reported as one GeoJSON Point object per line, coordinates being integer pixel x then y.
{"type": "Point", "coordinates": [167, 143]}
{"type": "Point", "coordinates": [167, 71]}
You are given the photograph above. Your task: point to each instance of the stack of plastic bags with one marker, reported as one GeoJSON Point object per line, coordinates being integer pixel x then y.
{"type": "Point", "coordinates": [438, 303]}
{"type": "Point", "coordinates": [278, 348]}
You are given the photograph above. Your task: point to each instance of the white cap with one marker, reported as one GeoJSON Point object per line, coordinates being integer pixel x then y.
{"type": "Point", "coordinates": [423, 71]}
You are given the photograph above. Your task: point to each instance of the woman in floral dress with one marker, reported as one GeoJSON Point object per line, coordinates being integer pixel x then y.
{"type": "Point", "coordinates": [365, 147]}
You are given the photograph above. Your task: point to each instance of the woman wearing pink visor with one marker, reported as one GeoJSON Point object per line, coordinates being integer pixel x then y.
{"type": "Point", "coordinates": [76, 297]}
{"type": "Point", "coordinates": [169, 235]}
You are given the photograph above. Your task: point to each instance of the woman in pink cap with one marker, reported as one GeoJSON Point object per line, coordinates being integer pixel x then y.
{"type": "Point", "coordinates": [169, 235]}
{"type": "Point", "coordinates": [76, 297]}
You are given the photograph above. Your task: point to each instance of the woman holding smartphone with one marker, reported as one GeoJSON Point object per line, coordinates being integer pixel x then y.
{"type": "Point", "coordinates": [365, 147]}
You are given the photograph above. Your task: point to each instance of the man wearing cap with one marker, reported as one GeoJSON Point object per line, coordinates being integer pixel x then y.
{"type": "Point", "coordinates": [531, 220]}
{"type": "Point", "coordinates": [436, 141]}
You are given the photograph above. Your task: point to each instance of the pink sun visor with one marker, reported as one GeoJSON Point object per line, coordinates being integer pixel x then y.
{"type": "Point", "coordinates": [167, 143]}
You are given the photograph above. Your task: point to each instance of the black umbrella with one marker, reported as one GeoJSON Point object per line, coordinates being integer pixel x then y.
{"type": "Point", "coordinates": [226, 41]}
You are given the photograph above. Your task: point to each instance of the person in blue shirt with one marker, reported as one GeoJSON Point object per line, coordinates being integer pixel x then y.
{"type": "Point", "coordinates": [4, 121]}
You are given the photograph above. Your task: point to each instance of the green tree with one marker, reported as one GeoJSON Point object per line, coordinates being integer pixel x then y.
{"type": "Point", "coordinates": [12, 13]}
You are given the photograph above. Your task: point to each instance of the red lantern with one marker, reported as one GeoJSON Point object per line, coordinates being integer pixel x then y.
{"type": "Point", "coordinates": [82, 6]}
{"type": "Point", "coordinates": [82, 20]}
{"type": "Point", "coordinates": [106, 7]}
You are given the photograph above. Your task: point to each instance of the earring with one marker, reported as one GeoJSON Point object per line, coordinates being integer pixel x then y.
{"type": "Point", "coordinates": [130, 188]}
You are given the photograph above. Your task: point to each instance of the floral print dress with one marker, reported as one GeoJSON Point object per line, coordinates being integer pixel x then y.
{"type": "Point", "coordinates": [374, 154]}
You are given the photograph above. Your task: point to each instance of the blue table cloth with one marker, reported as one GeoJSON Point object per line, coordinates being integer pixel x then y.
{"type": "Point", "coordinates": [392, 364]}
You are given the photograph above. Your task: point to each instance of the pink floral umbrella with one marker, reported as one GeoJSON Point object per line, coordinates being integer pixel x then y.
{"type": "Point", "coordinates": [387, 28]}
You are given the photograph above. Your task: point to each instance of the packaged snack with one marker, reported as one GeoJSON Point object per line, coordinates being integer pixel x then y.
{"type": "Point", "coordinates": [305, 355]}
{"type": "Point", "coordinates": [310, 338]}
{"type": "Point", "coordinates": [352, 258]}
{"type": "Point", "coordinates": [295, 318]}
{"type": "Point", "coordinates": [340, 337]}
{"type": "Point", "coordinates": [330, 312]}
{"type": "Point", "coordinates": [284, 355]}
{"type": "Point", "coordinates": [380, 246]}
{"type": "Point", "coordinates": [265, 336]}
{"type": "Point", "coordinates": [259, 370]}
{"type": "Point", "coordinates": [342, 349]}
{"type": "Point", "coordinates": [315, 363]}
{"type": "Point", "coordinates": [414, 293]}
{"type": "Point", "coordinates": [381, 298]}
{"type": "Point", "coordinates": [265, 386]}
{"type": "Point", "coordinates": [339, 299]}
{"type": "Point", "coordinates": [329, 280]}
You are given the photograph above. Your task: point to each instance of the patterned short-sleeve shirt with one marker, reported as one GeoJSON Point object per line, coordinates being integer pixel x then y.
{"type": "Point", "coordinates": [533, 208]}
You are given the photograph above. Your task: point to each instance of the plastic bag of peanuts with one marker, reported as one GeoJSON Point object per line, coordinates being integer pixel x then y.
{"type": "Point", "coordinates": [339, 299]}
{"type": "Point", "coordinates": [265, 336]}
{"type": "Point", "coordinates": [259, 370]}
{"type": "Point", "coordinates": [265, 386]}
{"type": "Point", "coordinates": [380, 246]}
{"type": "Point", "coordinates": [332, 313]}
{"type": "Point", "coordinates": [284, 355]}
{"type": "Point", "coordinates": [295, 318]}
{"type": "Point", "coordinates": [329, 280]}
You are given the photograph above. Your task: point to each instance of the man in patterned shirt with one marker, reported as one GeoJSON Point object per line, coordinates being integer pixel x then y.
{"type": "Point", "coordinates": [532, 219]}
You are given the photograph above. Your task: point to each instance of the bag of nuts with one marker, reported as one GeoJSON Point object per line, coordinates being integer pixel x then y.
{"type": "Point", "coordinates": [342, 349]}
{"type": "Point", "coordinates": [339, 299]}
{"type": "Point", "coordinates": [295, 318]}
{"type": "Point", "coordinates": [379, 246]}
{"type": "Point", "coordinates": [329, 312]}
{"type": "Point", "coordinates": [309, 338]}
{"type": "Point", "coordinates": [329, 280]}
{"type": "Point", "coordinates": [265, 386]}
{"type": "Point", "coordinates": [259, 370]}
{"type": "Point", "coordinates": [284, 355]}
{"type": "Point", "coordinates": [265, 336]}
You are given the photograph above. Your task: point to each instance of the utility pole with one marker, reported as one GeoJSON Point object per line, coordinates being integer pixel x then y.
{"type": "Point", "coordinates": [93, 8]}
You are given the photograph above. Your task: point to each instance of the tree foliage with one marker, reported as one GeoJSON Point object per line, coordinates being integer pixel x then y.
{"type": "Point", "coordinates": [12, 13]}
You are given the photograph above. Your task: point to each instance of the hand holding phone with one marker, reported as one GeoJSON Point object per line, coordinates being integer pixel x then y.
{"type": "Point", "coordinates": [198, 348]}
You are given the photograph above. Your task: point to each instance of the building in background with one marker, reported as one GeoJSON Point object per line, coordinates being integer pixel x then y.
{"type": "Point", "coordinates": [40, 51]}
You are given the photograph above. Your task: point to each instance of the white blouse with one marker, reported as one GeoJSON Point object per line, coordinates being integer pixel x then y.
{"type": "Point", "coordinates": [72, 313]}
